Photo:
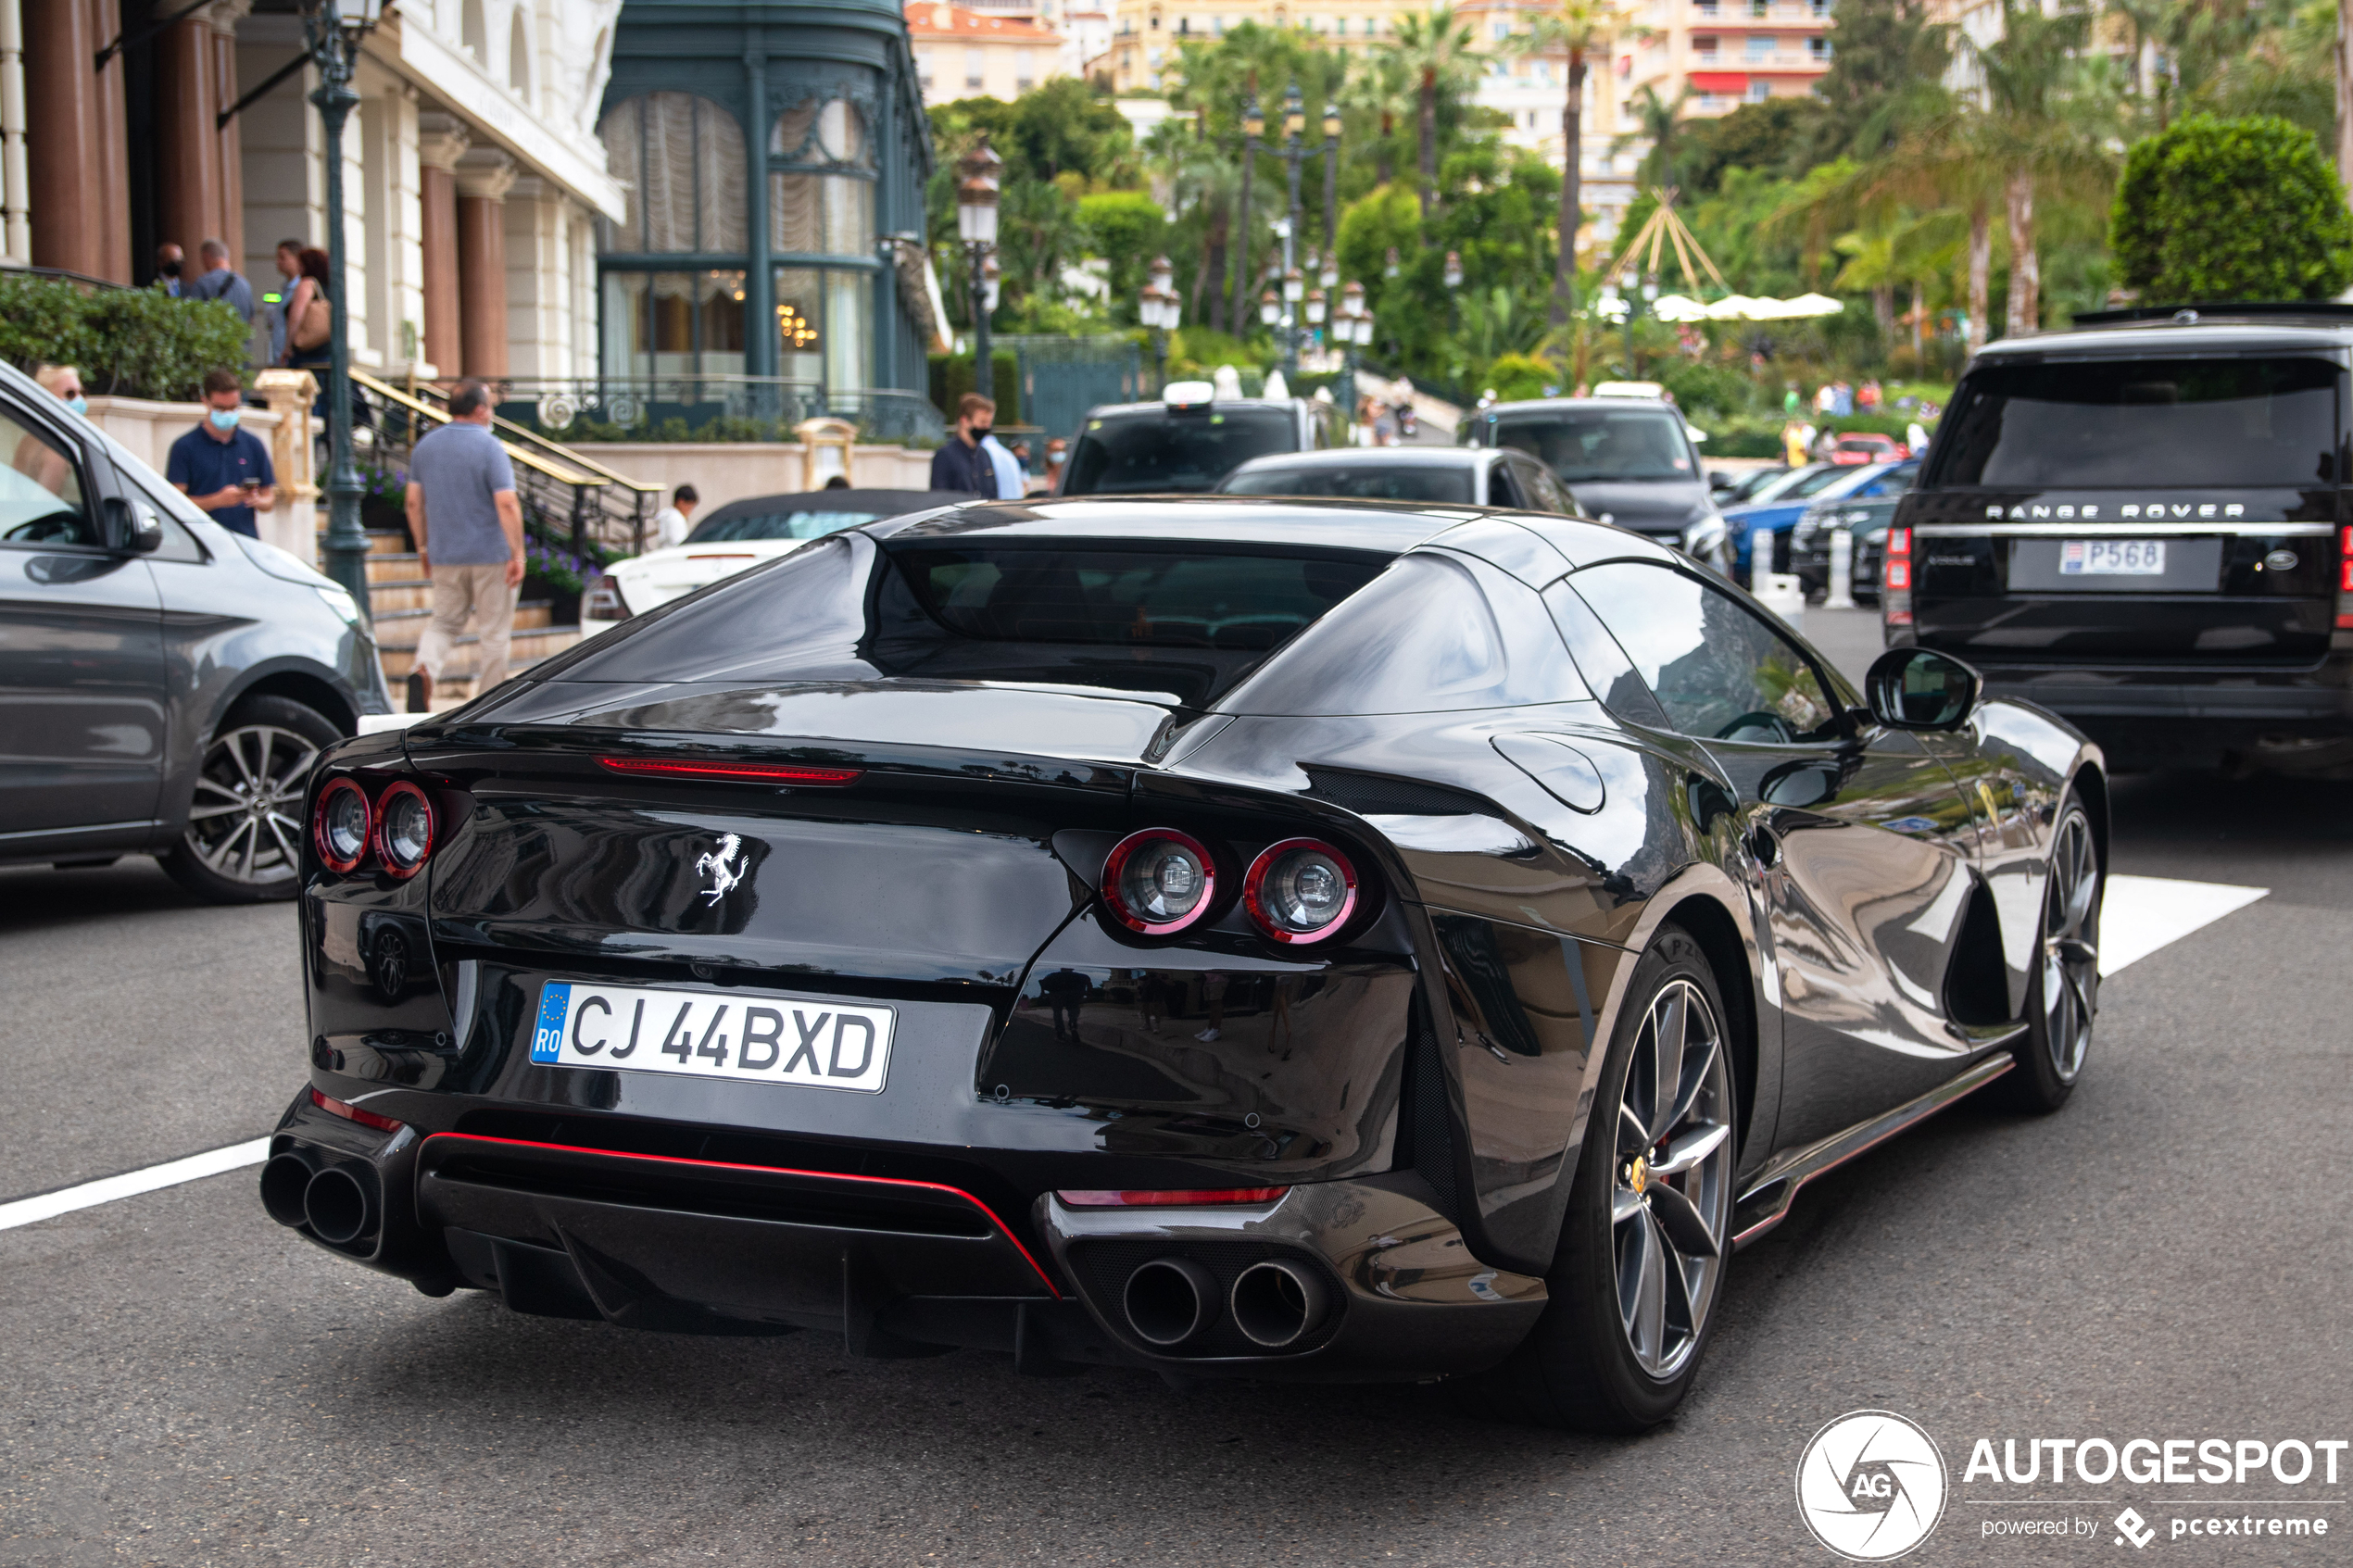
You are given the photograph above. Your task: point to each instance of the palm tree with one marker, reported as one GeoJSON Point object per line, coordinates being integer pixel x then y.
{"type": "Point", "coordinates": [1209, 181]}
{"type": "Point", "coordinates": [1436, 50]}
{"type": "Point", "coordinates": [1659, 123]}
{"type": "Point", "coordinates": [1578, 28]}
{"type": "Point", "coordinates": [1376, 95]}
{"type": "Point", "coordinates": [2043, 123]}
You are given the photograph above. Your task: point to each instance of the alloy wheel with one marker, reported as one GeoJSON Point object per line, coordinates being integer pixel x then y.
{"type": "Point", "coordinates": [2071, 945]}
{"type": "Point", "coordinates": [246, 822]}
{"type": "Point", "coordinates": [1670, 1200]}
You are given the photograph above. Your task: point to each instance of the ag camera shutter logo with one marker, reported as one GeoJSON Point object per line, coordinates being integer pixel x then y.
{"type": "Point", "coordinates": [1871, 1486]}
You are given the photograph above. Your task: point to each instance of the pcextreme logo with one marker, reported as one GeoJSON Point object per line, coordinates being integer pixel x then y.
{"type": "Point", "coordinates": [1871, 1486]}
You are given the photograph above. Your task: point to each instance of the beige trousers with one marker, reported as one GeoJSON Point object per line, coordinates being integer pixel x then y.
{"type": "Point", "coordinates": [480, 592]}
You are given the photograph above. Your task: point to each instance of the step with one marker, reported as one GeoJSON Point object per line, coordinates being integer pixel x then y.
{"type": "Point", "coordinates": [381, 542]}
{"type": "Point", "coordinates": [406, 623]}
{"type": "Point", "coordinates": [401, 568]}
{"type": "Point", "coordinates": [526, 648]}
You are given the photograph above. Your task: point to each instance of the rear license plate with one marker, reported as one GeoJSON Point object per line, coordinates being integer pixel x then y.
{"type": "Point", "coordinates": [817, 1045]}
{"type": "Point", "coordinates": [2112, 557]}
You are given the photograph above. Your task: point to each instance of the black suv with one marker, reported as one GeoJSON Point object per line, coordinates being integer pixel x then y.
{"type": "Point", "coordinates": [1189, 439]}
{"type": "Point", "coordinates": [2142, 524]}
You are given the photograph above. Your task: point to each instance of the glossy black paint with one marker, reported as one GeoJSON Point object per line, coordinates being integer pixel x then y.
{"type": "Point", "coordinates": [119, 663]}
{"type": "Point", "coordinates": [1523, 827]}
{"type": "Point", "coordinates": [2239, 648]}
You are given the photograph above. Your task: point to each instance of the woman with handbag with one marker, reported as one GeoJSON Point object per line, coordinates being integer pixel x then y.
{"type": "Point", "coordinates": [309, 325]}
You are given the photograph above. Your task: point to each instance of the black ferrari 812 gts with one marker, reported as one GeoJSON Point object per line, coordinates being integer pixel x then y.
{"type": "Point", "coordinates": [1224, 936]}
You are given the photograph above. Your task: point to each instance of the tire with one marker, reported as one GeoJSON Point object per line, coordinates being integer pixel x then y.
{"type": "Point", "coordinates": [2063, 990]}
{"type": "Point", "coordinates": [242, 844]}
{"type": "Point", "coordinates": [1620, 1342]}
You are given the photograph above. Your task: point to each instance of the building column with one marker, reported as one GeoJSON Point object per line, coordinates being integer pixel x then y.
{"type": "Point", "coordinates": [15, 243]}
{"type": "Point", "coordinates": [78, 177]}
{"type": "Point", "coordinates": [483, 178]}
{"type": "Point", "coordinates": [222, 17]}
{"type": "Point", "coordinates": [441, 140]}
{"type": "Point", "coordinates": [187, 151]}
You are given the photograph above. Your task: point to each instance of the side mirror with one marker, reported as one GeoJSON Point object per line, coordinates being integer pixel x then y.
{"type": "Point", "coordinates": [1920, 689]}
{"type": "Point", "coordinates": [130, 527]}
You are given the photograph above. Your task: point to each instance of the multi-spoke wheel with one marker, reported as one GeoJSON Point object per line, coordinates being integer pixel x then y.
{"type": "Point", "coordinates": [1672, 1191]}
{"type": "Point", "coordinates": [2063, 993]}
{"type": "Point", "coordinates": [243, 838]}
{"type": "Point", "coordinates": [1647, 1234]}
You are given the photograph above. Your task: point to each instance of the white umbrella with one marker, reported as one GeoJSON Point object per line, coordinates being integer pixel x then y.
{"type": "Point", "coordinates": [1733, 307]}
{"type": "Point", "coordinates": [1679, 307]}
{"type": "Point", "coordinates": [1815, 305]}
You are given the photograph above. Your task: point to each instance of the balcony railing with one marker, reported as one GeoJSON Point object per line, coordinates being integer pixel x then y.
{"type": "Point", "coordinates": [581, 411]}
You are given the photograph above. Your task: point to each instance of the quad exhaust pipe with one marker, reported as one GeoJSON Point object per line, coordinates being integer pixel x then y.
{"type": "Point", "coordinates": [338, 1202]}
{"type": "Point", "coordinates": [1171, 1302]}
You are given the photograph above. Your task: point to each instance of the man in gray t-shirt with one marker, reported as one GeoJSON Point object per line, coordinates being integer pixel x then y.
{"type": "Point", "coordinates": [468, 529]}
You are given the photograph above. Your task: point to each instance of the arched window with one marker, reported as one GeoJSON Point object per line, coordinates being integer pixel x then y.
{"type": "Point", "coordinates": [474, 32]}
{"type": "Point", "coordinates": [680, 158]}
{"type": "Point", "coordinates": [518, 58]}
{"type": "Point", "coordinates": [821, 205]}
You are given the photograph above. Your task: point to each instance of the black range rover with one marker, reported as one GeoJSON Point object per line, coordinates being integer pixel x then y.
{"type": "Point", "coordinates": [2142, 526]}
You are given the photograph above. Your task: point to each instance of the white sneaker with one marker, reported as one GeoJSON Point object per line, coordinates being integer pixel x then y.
{"type": "Point", "coordinates": [1206, 1035]}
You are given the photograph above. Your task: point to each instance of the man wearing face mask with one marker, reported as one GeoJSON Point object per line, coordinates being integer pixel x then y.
{"type": "Point", "coordinates": [221, 468]}
{"type": "Point", "coordinates": [168, 260]}
{"type": "Point", "coordinates": [960, 463]}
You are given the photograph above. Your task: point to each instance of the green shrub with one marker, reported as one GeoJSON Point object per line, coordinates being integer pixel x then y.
{"type": "Point", "coordinates": [1515, 377]}
{"type": "Point", "coordinates": [2231, 209]}
{"type": "Point", "coordinates": [132, 343]}
{"type": "Point", "coordinates": [951, 377]}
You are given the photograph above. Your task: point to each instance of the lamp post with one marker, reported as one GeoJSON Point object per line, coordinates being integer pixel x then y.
{"type": "Point", "coordinates": [976, 227]}
{"type": "Point", "coordinates": [1253, 128]}
{"type": "Point", "coordinates": [1294, 151]}
{"type": "Point", "coordinates": [333, 30]}
{"type": "Point", "coordinates": [1452, 278]}
{"type": "Point", "coordinates": [1331, 189]}
{"type": "Point", "coordinates": [1353, 326]}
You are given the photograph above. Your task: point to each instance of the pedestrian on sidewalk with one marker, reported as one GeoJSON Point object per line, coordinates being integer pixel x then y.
{"type": "Point", "coordinates": [670, 523]}
{"type": "Point", "coordinates": [289, 260]}
{"type": "Point", "coordinates": [168, 259]}
{"type": "Point", "coordinates": [217, 281]}
{"type": "Point", "coordinates": [461, 487]}
{"type": "Point", "coordinates": [960, 464]}
{"type": "Point", "coordinates": [224, 469]}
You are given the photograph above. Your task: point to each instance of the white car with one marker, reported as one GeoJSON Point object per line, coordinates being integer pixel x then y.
{"type": "Point", "coordinates": [735, 538]}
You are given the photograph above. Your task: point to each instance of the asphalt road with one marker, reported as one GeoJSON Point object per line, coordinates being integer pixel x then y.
{"type": "Point", "coordinates": [187, 1383]}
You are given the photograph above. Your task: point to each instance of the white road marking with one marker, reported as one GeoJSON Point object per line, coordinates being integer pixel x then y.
{"type": "Point", "coordinates": [195, 1166]}
{"type": "Point", "coordinates": [2140, 915]}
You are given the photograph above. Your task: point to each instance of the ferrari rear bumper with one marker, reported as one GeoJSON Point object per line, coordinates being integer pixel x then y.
{"type": "Point", "coordinates": [1381, 1286]}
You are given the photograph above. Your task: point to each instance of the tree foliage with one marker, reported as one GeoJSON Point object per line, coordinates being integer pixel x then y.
{"type": "Point", "coordinates": [138, 343]}
{"type": "Point", "coordinates": [2231, 209]}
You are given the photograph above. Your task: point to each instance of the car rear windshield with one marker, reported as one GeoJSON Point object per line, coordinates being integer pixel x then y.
{"type": "Point", "coordinates": [1595, 445]}
{"type": "Point", "coordinates": [1156, 451]}
{"type": "Point", "coordinates": [2134, 422]}
{"type": "Point", "coordinates": [796, 523]}
{"type": "Point", "coordinates": [1449, 486]}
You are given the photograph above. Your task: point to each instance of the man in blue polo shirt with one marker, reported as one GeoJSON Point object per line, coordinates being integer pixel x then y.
{"type": "Point", "coordinates": [222, 469]}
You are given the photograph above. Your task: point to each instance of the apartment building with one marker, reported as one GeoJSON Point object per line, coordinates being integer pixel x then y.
{"type": "Point", "coordinates": [1146, 34]}
{"type": "Point", "coordinates": [993, 52]}
{"type": "Point", "coordinates": [1726, 52]}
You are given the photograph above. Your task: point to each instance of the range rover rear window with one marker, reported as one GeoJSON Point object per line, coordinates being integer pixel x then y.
{"type": "Point", "coordinates": [2136, 423]}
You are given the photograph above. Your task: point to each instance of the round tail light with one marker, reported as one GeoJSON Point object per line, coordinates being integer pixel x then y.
{"type": "Point", "coordinates": [1300, 890]}
{"type": "Point", "coordinates": [404, 829]}
{"type": "Point", "coordinates": [1159, 880]}
{"type": "Point", "coordinates": [339, 825]}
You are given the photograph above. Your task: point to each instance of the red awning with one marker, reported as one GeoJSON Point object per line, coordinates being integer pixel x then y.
{"type": "Point", "coordinates": [1719, 81]}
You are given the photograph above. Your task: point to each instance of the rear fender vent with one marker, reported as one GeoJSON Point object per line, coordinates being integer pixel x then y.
{"type": "Point", "coordinates": [1425, 1119]}
{"type": "Point", "coordinates": [1369, 795]}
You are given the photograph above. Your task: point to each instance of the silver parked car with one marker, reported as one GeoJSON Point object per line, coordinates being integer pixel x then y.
{"type": "Point", "coordinates": [1461, 476]}
{"type": "Point", "coordinates": [165, 683]}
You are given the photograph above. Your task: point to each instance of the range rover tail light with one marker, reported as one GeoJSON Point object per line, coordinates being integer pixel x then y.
{"type": "Point", "coordinates": [2345, 580]}
{"type": "Point", "coordinates": [1299, 891]}
{"type": "Point", "coordinates": [404, 829]}
{"type": "Point", "coordinates": [341, 824]}
{"type": "Point", "coordinates": [1896, 578]}
{"type": "Point", "coordinates": [1158, 882]}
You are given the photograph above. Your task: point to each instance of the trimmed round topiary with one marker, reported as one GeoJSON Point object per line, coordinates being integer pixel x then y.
{"type": "Point", "coordinates": [2215, 209]}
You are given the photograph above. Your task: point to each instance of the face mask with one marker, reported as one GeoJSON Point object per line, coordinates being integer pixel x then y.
{"type": "Point", "coordinates": [225, 418]}
{"type": "Point", "coordinates": [77, 403]}
{"type": "Point", "coordinates": [982, 433]}
{"type": "Point", "coordinates": [170, 268]}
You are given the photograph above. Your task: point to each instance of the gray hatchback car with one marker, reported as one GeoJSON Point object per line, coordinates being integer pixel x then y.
{"type": "Point", "coordinates": [165, 683]}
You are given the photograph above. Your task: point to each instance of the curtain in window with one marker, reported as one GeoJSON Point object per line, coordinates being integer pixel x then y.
{"type": "Point", "coordinates": [681, 160]}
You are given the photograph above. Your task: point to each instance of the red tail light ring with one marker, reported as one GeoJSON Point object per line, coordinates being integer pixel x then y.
{"type": "Point", "coordinates": [404, 829]}
{"type": "Point", "coordinates": [732, 773]}
{"type": "Point", "coordinates": [1300, 890]}
{"type": "Point", "coordinates": [1159, 880]}
{"type": "Point", "coordinates": [341, 824]}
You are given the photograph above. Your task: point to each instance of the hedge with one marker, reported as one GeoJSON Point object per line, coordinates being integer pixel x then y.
{"type": "Point", "coordinates": [2214, 210]}
{"type": "Point", "coordinates": [132, 343]}
{"type": "Point", "coordinates": [951, 377]}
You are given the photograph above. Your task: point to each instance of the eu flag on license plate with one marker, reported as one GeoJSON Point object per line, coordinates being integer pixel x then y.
{"type": "Point", "coordinates": [547, 1035]}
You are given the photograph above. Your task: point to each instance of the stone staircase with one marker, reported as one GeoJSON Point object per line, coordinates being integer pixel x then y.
{"type": "Point", "coordinates": [401, 596]}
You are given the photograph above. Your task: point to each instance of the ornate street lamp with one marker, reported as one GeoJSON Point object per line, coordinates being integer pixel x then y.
{"type": "Point", "coordinates": [1270, 309]}
{"type": "Point", "coordinates": [1453, 271]}
{"type": "Point", "coordinates": [1331, 186]}
{"type": "Point", "coordinates": [1293, 151]}
{"type": "Point", "coordinates": [1391, 268]}
{"type": "Point", "coordinates": [1161, 311]}
{"type": "Point", "coordinates": [1254, 130]}
{"type": "Point", "coordinates": [333, 30]}
{"type": "Point", "coordinates": [977, 193]}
